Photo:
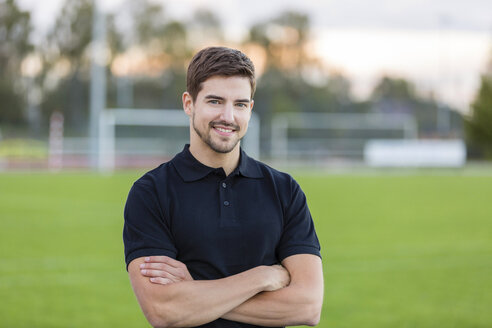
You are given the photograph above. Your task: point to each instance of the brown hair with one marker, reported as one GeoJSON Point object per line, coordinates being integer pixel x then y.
{"type": "Point", "coordinates": [218, 61]}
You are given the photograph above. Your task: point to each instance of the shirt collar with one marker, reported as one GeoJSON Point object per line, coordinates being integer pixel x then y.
{"type": "Point", "coordinates": [248, 167]}
{"type": "Point", "coordinates": [190, 169]}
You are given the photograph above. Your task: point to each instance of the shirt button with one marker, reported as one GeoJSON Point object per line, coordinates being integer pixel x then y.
{"type": "Point", "coordinates": [224, 185]}
{"type": "Point", "coordinates": [226, 203]}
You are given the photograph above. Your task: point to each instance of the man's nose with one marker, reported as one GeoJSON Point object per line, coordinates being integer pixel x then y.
{"type": "Point", "coordinates": [227, 114]}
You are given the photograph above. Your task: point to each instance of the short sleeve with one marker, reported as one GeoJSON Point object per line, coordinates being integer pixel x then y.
{"type": "Point", "coordinates": [299, 235]}
{"type": "Point", "coordinates": [146, 231]}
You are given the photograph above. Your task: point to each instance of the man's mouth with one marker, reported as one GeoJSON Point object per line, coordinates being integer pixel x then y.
{"type": "Point", "coordinates": [224, 129]}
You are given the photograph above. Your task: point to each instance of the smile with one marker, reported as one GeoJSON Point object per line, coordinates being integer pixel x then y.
{"type": "Point", "coordinates": [224, 130]}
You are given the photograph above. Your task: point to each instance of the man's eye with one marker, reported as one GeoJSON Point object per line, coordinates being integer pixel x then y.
{"type": "Point", "coordinates": [243, 105]}
{"type": "Point", "coordinates": [213, 102]}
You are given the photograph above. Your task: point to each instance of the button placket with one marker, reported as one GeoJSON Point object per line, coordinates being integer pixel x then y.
{"type": "Point", "coordinates": [227, 215]}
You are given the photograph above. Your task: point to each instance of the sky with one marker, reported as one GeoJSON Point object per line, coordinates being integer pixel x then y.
{"type": "Point", "coordinates": [441, 45]}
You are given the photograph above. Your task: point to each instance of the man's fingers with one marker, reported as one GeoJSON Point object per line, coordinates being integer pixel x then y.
{"type": "Point", "coordinates": [161, 281]}
{"type": "Point", "coordinates": [165, 263]}
{"type": "Point", "coordinates": [160, 274]}
{"type": "Point", "coordinates": [164, 267]}
{"type": "Point", "coordinates": [164, 259]}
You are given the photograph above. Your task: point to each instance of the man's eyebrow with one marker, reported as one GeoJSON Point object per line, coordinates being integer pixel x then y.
{"type": "Point", "coordinates": [245, 100]}
{"type": "Point", "coordinates": [214, 97]}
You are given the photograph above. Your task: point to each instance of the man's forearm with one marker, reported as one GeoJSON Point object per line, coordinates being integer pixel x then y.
{"type": "Point", "coordinates": [289, 306]}
{"type": "Point", "coordinates": [299, 303]}
{"type": "Point", "coordinates": [193, 303]}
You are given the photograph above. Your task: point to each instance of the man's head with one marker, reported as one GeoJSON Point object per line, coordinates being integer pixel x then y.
{"type": "Point", "coordinates": [218, 61]}
{"type": "Point", "coordinates": [218, 100]}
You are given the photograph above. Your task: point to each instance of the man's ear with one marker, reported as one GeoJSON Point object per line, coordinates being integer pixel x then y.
{"type": "Point", "coordinates": [187, 103]}
{"type": "Point", "coordinates": [251, 104]}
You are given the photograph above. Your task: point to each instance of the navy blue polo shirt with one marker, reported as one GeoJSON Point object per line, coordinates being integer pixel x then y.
{"type": "Point", "coordinates": [217, 225]}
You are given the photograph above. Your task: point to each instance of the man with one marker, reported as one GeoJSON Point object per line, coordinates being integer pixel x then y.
{"type": "Point", "coordinates": [214, 237]}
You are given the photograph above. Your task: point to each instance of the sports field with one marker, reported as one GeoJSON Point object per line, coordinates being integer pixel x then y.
{"type": "Point", "coordinates": [398, 250]}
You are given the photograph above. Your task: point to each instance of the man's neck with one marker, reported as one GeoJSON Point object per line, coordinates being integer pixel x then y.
{"type": "Point", "coordinates": [207, 156]}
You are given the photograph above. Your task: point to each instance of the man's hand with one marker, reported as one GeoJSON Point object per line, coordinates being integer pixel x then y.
{"type": "Point", "coordinates": [164, 270]}
{"type": "Point", "coordinates": [280, 278]}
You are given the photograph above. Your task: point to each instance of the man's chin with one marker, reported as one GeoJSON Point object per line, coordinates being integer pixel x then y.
{"type": "Point", "coordinates": [222, 148]}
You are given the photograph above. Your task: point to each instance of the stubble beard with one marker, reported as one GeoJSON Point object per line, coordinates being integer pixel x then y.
{"type": "Point", "coordinates": [207, 139]}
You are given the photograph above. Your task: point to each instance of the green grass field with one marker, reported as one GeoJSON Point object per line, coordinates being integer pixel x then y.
{"type": "Point", "coordinates": [398, 251]}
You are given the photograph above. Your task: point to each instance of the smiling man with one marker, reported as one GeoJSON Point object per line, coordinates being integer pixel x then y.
{"type": "Point", "coordinates": [214, 238]}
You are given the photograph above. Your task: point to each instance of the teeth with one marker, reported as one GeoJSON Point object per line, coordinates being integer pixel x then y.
{"type": "Point", "coordinates": [224, 130]}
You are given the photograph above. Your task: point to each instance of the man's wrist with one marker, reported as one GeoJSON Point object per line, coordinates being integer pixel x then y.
{"type": "Point", "coordinates": [273, 277]}
{"type": "Point", "coordinates": [262, 276]}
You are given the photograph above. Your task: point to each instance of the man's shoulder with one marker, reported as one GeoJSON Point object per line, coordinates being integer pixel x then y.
{"type": "Point", "coordinates": [272, 173]}
{"type": "Point", "coordinates": [156, 176]}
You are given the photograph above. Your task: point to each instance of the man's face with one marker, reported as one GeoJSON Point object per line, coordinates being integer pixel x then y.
{"type": "Point", "coordinates": [221, 112]}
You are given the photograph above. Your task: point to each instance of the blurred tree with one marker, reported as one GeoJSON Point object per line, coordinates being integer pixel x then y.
{"type": "Point", "coordinates": [156, 49]}
{"type": "Point", "coordinates": [181, 38]}
{"type": "Point", "coordinates": [332, 96]}
{"type": "Point", "coordinates": [294, 79]}
{"type": "Point", "coordinates": [72, 32]}
{"type": "Point", "coordinates": [204, 29]}
{"type": "Point", "coordinates": [157, 35]}
{"type": "Point", "coordinates": [175, 37]}
{"type": "Point", "coordinates": [66, 73]}
{"type": "Point", "coordinates": [285, 39]}
{"type": "Point", "coordinates": [11, 103]}
{"type": "Point", "coordinates": [68, 63]}
{"type": "Point", "coordinates": [147, 21]}
{"type": "Point", "coordinates": [397, 95]}
{"type": "Point", "coordinates": [394, 88]}
{"type": "Point", "coordinates": [15, 29]}
{"type": "Point", "coordinates": [479, 125]}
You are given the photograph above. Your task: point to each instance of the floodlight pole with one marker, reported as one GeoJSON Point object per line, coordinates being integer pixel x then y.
{"type": "Point", "coordinates": [98, 82]}
{"type": "Point", "coordinates": [443, 115]}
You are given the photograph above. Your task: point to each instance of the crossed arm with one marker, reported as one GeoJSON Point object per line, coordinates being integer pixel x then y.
{"type": "Point", "coordinates": [291, 294]}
